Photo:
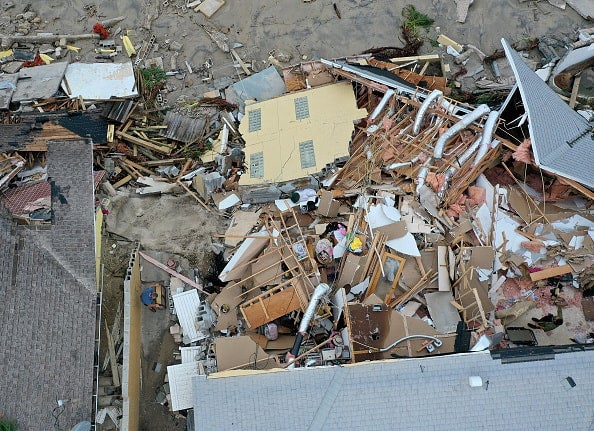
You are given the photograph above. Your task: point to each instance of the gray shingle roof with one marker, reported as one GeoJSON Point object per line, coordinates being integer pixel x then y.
{"type": "Point", "coordinates": [561, 138]}
{"type": "Point", "coordinates": [47, 301]}
{"type": "Point", "coordinates": [412, 394]}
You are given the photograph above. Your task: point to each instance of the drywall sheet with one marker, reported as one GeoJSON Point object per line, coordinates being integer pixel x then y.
{"type": "Point", "coordinates": [444, 315]}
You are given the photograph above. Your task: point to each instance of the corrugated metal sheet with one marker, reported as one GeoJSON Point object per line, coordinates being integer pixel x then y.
{"type": "Point", "coordinates": [119, 111]}
{"type": "Point", "coordinates": [186, 307]}
{"type": "Point", "coordinates": [180, 385]}
{"type": "Point", "coordinates": [182, 128]}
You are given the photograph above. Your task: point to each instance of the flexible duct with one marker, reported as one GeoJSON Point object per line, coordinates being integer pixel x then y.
{"type": "Point", "coordinates": [403, 164]}
{"type": "Point", "coordinates": [381, 105]}
{"type": "Point", "coordinates": [435, 94]}
{"type": "Point", "coordinates": [423, 174]}
{"type": "Point", "coordinates": [318, 294]}
{"type": "Point", "coordinates": [488, 130]}
{"type": "Point", "coordinates": [457, 163]}
{"type": "Point", "coordinates": [464, 122]}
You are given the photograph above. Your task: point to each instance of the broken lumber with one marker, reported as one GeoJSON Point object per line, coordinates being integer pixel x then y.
{"type": "Point", "coordinates": [143, 143]}
{"type": "Point", "coordinates": [8, 41]}
{"type": "Point", "coordinates": [550, 272]}
{"type": "Point", "coordinates": [172, 272]}
{"type": "Point", "coordinates": [112, 357]}
{"type": "Point", "coordinates": [194, 195]}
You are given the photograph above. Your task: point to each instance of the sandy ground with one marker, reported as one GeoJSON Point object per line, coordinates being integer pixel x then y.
{"type": "Point", "coordinates": [171, 224]}
{"type": "Point", "coordinates": [293, 27]}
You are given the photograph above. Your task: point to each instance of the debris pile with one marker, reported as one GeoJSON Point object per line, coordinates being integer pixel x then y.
{"type": "Point", "coordinates": [373, 211]}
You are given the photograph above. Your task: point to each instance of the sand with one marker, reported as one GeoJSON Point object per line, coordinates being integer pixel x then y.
{"type": "Point", "coordinates": [293, 27]}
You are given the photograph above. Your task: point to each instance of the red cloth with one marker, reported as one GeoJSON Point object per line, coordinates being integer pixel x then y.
{"type": "Point", "coordinates": [101, 31]}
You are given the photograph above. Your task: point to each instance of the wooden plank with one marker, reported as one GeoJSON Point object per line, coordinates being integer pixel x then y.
{"type": "Point", "coordinates": [112, 357]}
{"type": "Point", "coordinates": [194, 195]}
{"type": "Point", "coordinates": [574, 91]}
{"type": "Point", "coordinates": [110, 132]}
{"type": "Point", "coordinates": [137, 166]}
{"type": "Point", "coordinates": [551, 272]}
{"type": "Point", "coordinates": [163, 162]}
{"type": "Point", "coordinates": [241, 62]}
{"type": "Point", "coordinates": [143, 143]}
{"type": "Point", "coordinates": [123, 181]}
{"type": "Point", "coordinates": [172, 272]}
{"type": "Point", "coordinates": [427, 57]}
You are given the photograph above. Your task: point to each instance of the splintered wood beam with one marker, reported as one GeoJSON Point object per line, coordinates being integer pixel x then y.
{"type": "Point", "coordinates": [194, 195]}
{"type": "Point", "coordinates": [172, 272]}
{"type": "Point", "coordinates": [112, 357]}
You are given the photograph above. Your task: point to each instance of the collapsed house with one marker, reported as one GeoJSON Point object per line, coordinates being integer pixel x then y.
{"type": "Point", "coordinates": [418, 244]}
{"type": "Point", "coordinates": [376, 225]}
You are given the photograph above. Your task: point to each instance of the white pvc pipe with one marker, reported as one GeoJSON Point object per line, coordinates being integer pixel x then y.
{"type": "Point", "coordinates": [488, 130]}
{"type": "Point", "coordinates": [381, 105]}
{"type": "Point", "coordinates": [435, 94]}
{"type": "Point", "coordinates": [464, 122]}
{"type": "Point", "coordinates": [437, 341]}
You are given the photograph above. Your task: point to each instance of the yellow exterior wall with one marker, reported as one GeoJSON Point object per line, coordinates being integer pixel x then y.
{"type": "Point", "coordinates": [131, 373]}
{"type": "Point", "coordinates": [332, 110]}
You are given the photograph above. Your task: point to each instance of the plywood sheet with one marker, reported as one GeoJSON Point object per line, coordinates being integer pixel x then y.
{"type": "Point", "coordinates": [241, 352]}
{"type": "Point", "coordinates": [257, 313]}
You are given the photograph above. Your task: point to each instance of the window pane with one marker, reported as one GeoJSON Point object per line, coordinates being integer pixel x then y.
{"type": "Point", "coordinates": [308, 157]}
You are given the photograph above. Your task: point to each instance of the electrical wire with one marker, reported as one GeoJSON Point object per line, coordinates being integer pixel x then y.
{"type": "Point", "coordinates": [56, 413]}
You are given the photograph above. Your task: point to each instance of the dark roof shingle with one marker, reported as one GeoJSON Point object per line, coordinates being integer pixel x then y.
{"type": "Point", "coordinates": [48, 301]}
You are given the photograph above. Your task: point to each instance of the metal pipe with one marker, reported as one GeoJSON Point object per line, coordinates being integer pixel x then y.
{"type": "Point", "coordinates": [435, 94]}
{"type": "Point", "coordinates": [488, 130]}
{"type": "Point", "coordinates": [387, 96]}
{"type": "Point", "coordinates": [321, 290]}
{"type": "Point", "coordinates": [464, 122]}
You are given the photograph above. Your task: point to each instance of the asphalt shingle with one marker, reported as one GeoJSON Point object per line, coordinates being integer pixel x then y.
{"type": "Point", "coordinates": [48, 301]}
{"type": "Point", "coordinates": [410, 394]}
